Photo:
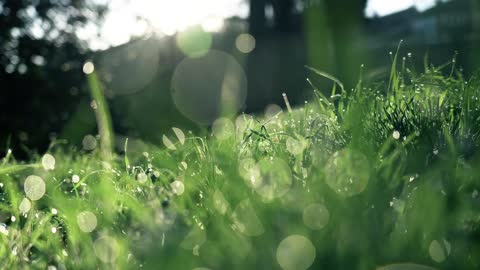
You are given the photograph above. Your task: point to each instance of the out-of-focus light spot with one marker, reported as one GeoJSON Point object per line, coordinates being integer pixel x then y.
{"type": "Point", "coordinates": [439, 250]}
{"type": "Point", "coordinates": [347, 172]}
{"type": "Point", "coordinates": [34, 187]}
{"type": "Point", "coordinates": [250, 172]}
{"type": "Point", "coordinates": [245, 220]}
{"type": "Point", "coordinates": [142, 177]}
{"type": "Point", "coordinates": [194, 42]}
{"type": "Point", "coordinates": [316, 216]}
{"type": "Point", "coordinates": [243, 122]}
{"type": "Point", "coordinates": [220, 203]}
{"type": "Point", "coordinates": [87, 221]}
{"type": "Point", "coordinates": [178, 187]}
{"type": "Point", "coordinates": [168, 143]}
{"type": "Point", "coordinates": [88, 67]}
{"type": "Point", "coordinates": [296, 252]}
{"type": "Point", "coordinates": [396, 135]}
{"type": "Point", "coordinates": [25, 206]}
{"type": "Point", "coordinates": [213, 24]}
{"type": "Point", "coordinates": [294, 146]}
{"type": "Point", "coordinates": [180, 135]}
{"type": "Point", "coordinates": [223, 128]}
{"type": "Point", "coordinates": [38, 60]}
{"type": "Point", "coordinates": [272, 110]}
{"type": "Point", "coordinates": [275, 178]}
{"type": "Point", "coordinates": [106, 248]}
{"type": "Point", "coordinates": [53, 230]}
{"type": "Point", "coordinates": [75, 178]}
{"type": "Point", "coordinates": [204, 87]}
{"type": "Point", "coordinates": [48, 162]}
{"type": "Point", "coordinates": [89, 142]}
{"type": "Point", "coordinates": [245, 43]}
{"type": "Point", "coordinates": [54, 211]}
{"type": "Point", "coordinates": [196, 237]}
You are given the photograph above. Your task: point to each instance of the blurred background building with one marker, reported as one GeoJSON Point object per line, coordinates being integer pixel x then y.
{"type": "Point", "coordinates": [184, 63]}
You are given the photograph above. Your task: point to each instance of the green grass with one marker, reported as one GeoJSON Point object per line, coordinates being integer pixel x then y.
{"type": "Point", "coordinates": [386, 173]}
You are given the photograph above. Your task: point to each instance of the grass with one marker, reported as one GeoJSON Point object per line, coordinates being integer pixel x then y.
{"type": "Point", "coordinates": [384, 175]}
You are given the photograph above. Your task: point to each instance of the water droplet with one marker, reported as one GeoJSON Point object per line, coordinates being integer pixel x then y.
{"type": "Point", "coordinates": [53, 230]}
{"type": "Point", "coordinates": [178, 187]}
{"type": "Point", "coordinates": [296, 252]}
{"type": "Point", "coordinates": [54, 211]}
{"type": "Point", "coordinates": [34, 187]}
{"type": "Point", "coordinates": [88, 67]}
{"type": "Point", "coordinates": [48, 162]}
{"type": "Point", "coordinates": [396, 135]}
{"type": "Point", "coordinates": [75, 179]}
{"type": "Point", "coordinates": [87, 221]}
{"type": "Point", "coordinates": [316, 216]}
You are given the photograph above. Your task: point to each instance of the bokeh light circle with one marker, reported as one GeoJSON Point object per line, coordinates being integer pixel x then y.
{"type": "Point", "coordinates": [87, 221]}
{"type": "Point", "coordinates": [276, 178]}
{"type": "Point", "coordinates": [245, 219]}
{"type": "Point", "coordinates": [347, 172]}
{"type": "Point", "coordinates": [203, 87]}
{"type": "Point", "coordinates": [106, 248]}
{"type": "Point", "coordinates": [34, 187]}
{"type": "Point", "coordinates": [223, 128]}
{"type": "Point", "coordinates": [245, 43]}
{"type": "Point", "coordinates": [316, 216]}
{"type": "Point", "coordinates": [48, 162]}
{"type": "Point", "coordinates": [296, 252]}
{"type": "Point", "coordinates": [194, 41]}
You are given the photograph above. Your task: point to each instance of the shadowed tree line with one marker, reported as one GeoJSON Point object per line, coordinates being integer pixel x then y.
{"type": "Point", "coordinates": [41, 58]}
{"type": "Point", "coordinates": [330, 28]}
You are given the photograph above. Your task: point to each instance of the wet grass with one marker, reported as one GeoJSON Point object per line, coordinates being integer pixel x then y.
{"type": "Point", "coordinates": [382, 175]}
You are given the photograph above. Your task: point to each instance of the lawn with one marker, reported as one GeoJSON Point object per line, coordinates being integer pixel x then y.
{"type": "Point", "coordinates": [381, 176]}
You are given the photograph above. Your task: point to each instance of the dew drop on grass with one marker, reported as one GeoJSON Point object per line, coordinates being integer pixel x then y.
{"type": "Point", "coordinates": [53, 230]}
{"type": "Point", "coordinates": [347, 172]}
{"type": "Point", "coordinates": [196, 237]}
{"type": "Point", "coordinates": [87, 221]}
{"type": "Point", "coordinates": [168, 143]}
{"type": "Point", "coordinates": [245, 220]}
{"type": "Point", "coordinates": [316, 216]}
{"type": "Point", "coordinates": [88, 67]}
{"type": "Point", "coordinates": [296, 252]}
{"type": "Point", "coordinates": [180, 135]}
{"type": "Point", "coordinates": [75, 178]}
{"type": "Point", "coordinates": [106, 248]}
{"type": "Point", "coordinates": [48, 162]}
{"type": "Point", "coordinates": [396, 135]}
{"type": "Point", "coordinates": [89, 142]}
{"type": "Point", "coordinates": [54, 211]}
{"type": "Point", "coordinates": [223, 128]}
{"type": "Point", "coordinates": [25, 206]}
{"type": "Point", "coordinates": [178, 187]}
{"type": "Point", "coordinates": [34, 187]}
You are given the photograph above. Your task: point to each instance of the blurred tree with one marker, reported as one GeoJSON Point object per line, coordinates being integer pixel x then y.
{"type": "Point", "coordinates": [332, 29]}
{"type": "Point", "coordinates": [41, 56]}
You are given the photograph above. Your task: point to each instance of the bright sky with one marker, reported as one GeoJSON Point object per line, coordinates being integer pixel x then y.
{"type": "Point", "coordinates": [170, 16]}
